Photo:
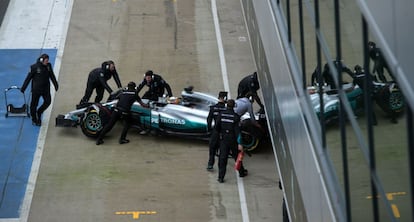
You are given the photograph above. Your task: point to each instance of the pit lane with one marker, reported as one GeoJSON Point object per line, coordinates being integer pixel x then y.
{"type": "Point", "coordinates": [163, 177]}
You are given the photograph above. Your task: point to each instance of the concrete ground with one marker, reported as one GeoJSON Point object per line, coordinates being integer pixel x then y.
{"type": "Point", "coordinates": [151, 178]}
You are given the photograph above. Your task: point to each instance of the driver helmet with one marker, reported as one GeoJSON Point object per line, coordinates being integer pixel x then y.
{"type": "Point", "coordinates": [358, 69]}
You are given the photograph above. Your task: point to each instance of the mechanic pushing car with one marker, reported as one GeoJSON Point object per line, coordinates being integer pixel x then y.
{"type": "Point", "coordinates": [97, 80]}
{"type": "Point", "coordinates": [40, 74]}
{"type": "Point", "coordinates": [245, 105]}
{"type": "Point", "coordinates": [156, 86]}
{"type": "Point", "coordinates": [250, 84]}
{"type": "Point", "coordinates": [122, 110]}
{"type": "Point", "coordinates": [327, 74]}
{"type": "Point", "coordinates": [228, 124]}
{"type": "Point", "coordinates": [215, 135]}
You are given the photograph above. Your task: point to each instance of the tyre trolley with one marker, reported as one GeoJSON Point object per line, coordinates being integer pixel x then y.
{"type": "Point", "coordinates": [12, 110]}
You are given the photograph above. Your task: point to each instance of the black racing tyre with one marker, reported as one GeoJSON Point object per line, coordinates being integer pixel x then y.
{"type": "Point", "coordinates": [396, 101]}
{"type": "Point", "coordinates": [92, 124]}
{"type": "Point", "coordinates": [249, 141]}
{"type": "Point", "coordinates": [390, 102]}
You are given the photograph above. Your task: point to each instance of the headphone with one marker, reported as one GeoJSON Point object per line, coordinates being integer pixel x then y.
{"type": "Point", "coordinates": [43, 57]}
{"type": "Point", "coordinates": [152, 76]}
{"type": "Point", "coordinates": [107, 64]}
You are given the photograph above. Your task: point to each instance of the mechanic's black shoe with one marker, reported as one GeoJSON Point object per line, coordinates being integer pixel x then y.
{"type": "Point", "coordinates": [39, 116]}
{"type": "Point", "coordinates": [82, 104]}
{"type": "Point", "coordinates": [122, 141]}
{"type": "Point", "coordinates": [36, 122]}
{"type": "Point", "coordinates": [209, 168]}
{"type": "Point", "coordinates": [220, 180]}
{"type": "Point", "coordinates": [243, 173]}
{"type": "Point", "coordinates": [99, 142]}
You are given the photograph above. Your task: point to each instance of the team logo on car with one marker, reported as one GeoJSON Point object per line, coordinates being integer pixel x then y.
{"type": "Point", "coordinates": [173, 121]}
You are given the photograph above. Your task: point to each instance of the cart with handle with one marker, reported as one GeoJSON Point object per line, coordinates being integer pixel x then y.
{"type": "Point", "coordinates": [12, 110]}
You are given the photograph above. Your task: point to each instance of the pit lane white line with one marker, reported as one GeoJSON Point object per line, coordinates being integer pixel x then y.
{"type": "Point", "coordinates": [240, 184]}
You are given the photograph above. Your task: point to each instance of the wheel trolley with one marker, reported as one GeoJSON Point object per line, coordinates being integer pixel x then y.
{"type": "Point", "coordinates": [12, 110]}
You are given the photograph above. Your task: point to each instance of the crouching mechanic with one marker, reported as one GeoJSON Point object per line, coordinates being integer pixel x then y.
{"type": "Point", "coordinates": [122, 109]}
{"type": "Point", "coordinates": [97, 80]}
{"type": "Point", "coordinates": [228, 124]}
{"type": "Point", "coordinates": [249, 84]}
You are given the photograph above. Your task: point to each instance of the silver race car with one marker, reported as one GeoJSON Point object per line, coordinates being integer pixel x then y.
{"type": "Point", "coordinates": [184, 116]}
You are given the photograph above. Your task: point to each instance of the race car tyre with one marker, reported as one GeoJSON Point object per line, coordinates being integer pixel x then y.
{"type": "Point", "coordinates": [92, 124]}
{"type": "Point", "coordinates": [390, 102]}
{"type": "Point", "coordinates": [249, 142]}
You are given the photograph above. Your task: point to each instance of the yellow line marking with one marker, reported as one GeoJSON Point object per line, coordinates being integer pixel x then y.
{"type": "Point", "coordinates": [395, 210]}
{"type": "Point", "coordinates": [390, 196]}
{"type": "Point", "coordinates": [135, 214]}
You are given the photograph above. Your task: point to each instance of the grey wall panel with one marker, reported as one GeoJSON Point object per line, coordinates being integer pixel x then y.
{"type": "Point", "coordinates": [304, 186]}
{"type": "Point", "coordinates": [3, 8]}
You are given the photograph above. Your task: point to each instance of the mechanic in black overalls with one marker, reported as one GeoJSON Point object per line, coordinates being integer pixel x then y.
{"type": "Point", "coordinates": [122, 109]}
{"type": "Point", "coordinates": [359, 78]}
{"type": "Point", "coordinates": [228, 124]}
{"type": "Point", "coordinates": [327, 75]}
{"type": "Point", "coordinates": [97, 79]}
{"type": "Point", "coordinates": [215, 135]}
{"type": "Point", "coordinates": [250, 84]}
{"type": "Point", "coordinates": [156, 86]}
{"type": "Point", "coordinates": [40, 74]}
{"type": "Point", "coordinates": [379, 62]}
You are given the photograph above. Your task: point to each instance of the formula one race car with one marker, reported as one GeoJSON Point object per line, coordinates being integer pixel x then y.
{"type": "Point", "coordinates": [182, 117]}
{"type": "Point", "coordinates": [331, 101]}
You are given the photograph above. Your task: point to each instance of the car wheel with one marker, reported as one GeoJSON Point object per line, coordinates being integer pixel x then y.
{"type": "Point", "coordinates": [92, 124]}
{"type": "Point", "coordinates": [396, 101]}
{"type": "Point", "coordinates": [390, 102]}
{"type": "Point", "coordinates": [249, 142]}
